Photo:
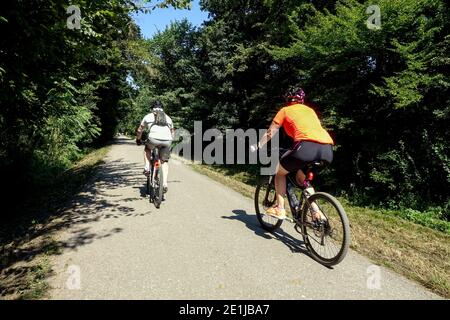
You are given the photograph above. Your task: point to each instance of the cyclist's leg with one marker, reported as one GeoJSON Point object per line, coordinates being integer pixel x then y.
{"type": "Point", "coordinates": [310, 152]}
{"type": "Point", "coordinates": [288, 164]}
{"type": "Point", "coordinates": [164, 156]}
{"type": "Point", "coordinates": [165, 166]}
{"type": "Point", "coordinates": [279, 210]}
{"type": "Point", "coordinates": [317, 214]}
{"type": "Point", "coordinates": [300, 177]}
{"type": "Point", "coordinates": [280, 185]}
{"type": "Point", "coordinates": [295, 162]}
{"type": "Point", "coordinates": [147, 157]}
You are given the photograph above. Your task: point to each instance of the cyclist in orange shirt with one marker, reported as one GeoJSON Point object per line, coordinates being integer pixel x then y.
{"type": "Point", "coordinates": [311, 143]}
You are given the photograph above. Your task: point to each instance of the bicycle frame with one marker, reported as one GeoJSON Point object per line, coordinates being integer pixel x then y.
{"type": "Point", "coordinates": [303, 201]}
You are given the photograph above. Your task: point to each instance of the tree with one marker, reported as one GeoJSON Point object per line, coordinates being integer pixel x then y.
{"type": "Point", "coordinates": [385, 93]}
{"type": "Point", "coordinates": [63, 89]}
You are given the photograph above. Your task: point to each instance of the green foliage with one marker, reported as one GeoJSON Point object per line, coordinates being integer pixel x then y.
{"type": "Point", "coordinates": [62, 90]}
{"type": "Point", "coordinates": [147, 6]}
{"type": "Point", "coordinates": [436, 218]}
{"type": "Point", "coordinates": [383, 93]}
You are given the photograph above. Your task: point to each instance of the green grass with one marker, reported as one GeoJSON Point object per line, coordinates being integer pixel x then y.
{"type": "Point", "coordinates": [416, 251]}
{"type": "Point", "coordinates": [23, 276]}
{"type": "Point", "coordinates": [433, 219]}
{"type": "Point", "coordinates": [426, 219]}
{"type": "Point", "coordinates": [36, 286]}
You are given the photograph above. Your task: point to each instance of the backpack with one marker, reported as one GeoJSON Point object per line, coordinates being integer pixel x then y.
{"type": "Point", "coordinates": [160, 118]}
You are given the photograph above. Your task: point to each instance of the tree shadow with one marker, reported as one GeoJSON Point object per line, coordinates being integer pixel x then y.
{"type": "Point", "coordinates": [16, 281]}
{"type": "Point", "coordinates": [251, 222]}
{"type": "Point", "coordinates": [31, 235]}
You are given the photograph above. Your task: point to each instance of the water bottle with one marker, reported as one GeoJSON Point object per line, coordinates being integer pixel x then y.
{"type": "Point", "coordinates": [292, 197]}
{"type": "Point", "coordinates": [308, 189]}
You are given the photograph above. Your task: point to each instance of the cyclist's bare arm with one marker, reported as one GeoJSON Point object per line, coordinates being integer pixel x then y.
{"type": "Point", "coordinates": [139, 132]}
{"type": "Point", "coordinates": [273, 129]}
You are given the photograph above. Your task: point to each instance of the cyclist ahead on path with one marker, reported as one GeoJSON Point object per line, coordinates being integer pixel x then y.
{"type": "Point", "coordinates": [311, 143]}
{"type": "Point", "coordinates": [160, 135]}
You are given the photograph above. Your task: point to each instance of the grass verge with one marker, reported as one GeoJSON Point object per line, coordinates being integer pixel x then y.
{"type": "Point", "coordinates": [26, 240]}
{"type": "Point", "coordinates": [417, 252]}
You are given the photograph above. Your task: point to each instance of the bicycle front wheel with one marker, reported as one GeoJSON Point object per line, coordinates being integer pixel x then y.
{"type": "Point", "coordinates": [265, 197]}
{"type": "Point", "coordinates": [327, 242]}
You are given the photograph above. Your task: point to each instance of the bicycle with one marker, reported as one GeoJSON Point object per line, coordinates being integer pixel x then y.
{"type": "Point", "coordinates": [317, 235]}
{"type": "Point", "coordinates": [155, 183]}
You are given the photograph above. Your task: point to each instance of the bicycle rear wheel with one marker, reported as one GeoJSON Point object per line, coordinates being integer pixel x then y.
{"type": "Point", "coordinates": [327, 243]}
{"type": "Point", "coordinates": [149, 189]}
{"type": "Point", "coordinates": [159, 183]}
{"type": "Point", "coordinates": [265, 197]}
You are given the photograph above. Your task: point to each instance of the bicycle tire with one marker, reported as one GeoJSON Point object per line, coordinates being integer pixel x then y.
{"type": "Point", "coordinates": [149, 189]}
{"type": "Point", "coordinates": [345, 230]}
{"type": "Point", "coordinates": [260, 213]}
{"type": "Point", "coordinates": [159, 188]}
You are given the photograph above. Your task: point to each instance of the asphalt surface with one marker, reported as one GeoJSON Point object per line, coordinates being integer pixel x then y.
{"type": "Point", "coordinates": [204, 243]}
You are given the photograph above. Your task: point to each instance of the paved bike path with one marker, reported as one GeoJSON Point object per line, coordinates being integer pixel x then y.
{"type": "Point", "coordinates": [204, 243]}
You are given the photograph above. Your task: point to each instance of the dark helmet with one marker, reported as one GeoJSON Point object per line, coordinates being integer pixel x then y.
{"type": "Point", "coordinates": [295, 94]}
{"type": "Point", "coordinates": [158, 105]}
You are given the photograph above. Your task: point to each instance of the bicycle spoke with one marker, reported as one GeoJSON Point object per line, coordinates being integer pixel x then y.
{"type": "Point", "coordinates": [332, 232]}
{"type": "Point", "coordinates": [265, 198]}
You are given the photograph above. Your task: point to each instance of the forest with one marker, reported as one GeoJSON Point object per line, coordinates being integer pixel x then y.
{"type": "Point", "coordinates": [383, 93]}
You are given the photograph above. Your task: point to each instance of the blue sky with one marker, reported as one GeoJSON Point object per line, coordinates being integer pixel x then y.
{"type": "Point", "coordinates": [158, 19]}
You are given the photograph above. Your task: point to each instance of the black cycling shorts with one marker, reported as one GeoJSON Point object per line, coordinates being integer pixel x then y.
{"type": "Point", "coordinates": [162, 145]}
{"type": "Point", "coordinates": [304, 153]}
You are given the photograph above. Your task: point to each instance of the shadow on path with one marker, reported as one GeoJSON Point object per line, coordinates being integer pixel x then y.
{"type": "Point", "coordinates": [251, 222]}
{"type": "Point", "coordinates": [101, 198]}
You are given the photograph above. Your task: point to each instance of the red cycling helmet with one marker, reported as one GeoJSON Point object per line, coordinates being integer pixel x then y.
{"type": "Point", "coordinates": [296, 95]}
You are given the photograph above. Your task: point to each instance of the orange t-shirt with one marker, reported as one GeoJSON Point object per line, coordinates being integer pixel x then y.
{"type": "Point", "coordinates": [302, 124]}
